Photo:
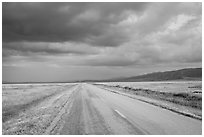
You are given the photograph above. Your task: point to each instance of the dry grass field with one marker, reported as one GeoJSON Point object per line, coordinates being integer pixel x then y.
{"type": "Point", "coordinates": [181, 96]}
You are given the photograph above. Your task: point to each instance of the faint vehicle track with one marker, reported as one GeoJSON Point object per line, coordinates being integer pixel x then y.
{"type": "Point", "coordinates": [39, 116]}
{"type": "Point", "coordinates": [73, 117]}
{"type": "Point", "coordinates": [83, 117]}
{"type": "Point", "coordinates": [64, 109]}
{"type": "Point", "coordinates": [13, 111]}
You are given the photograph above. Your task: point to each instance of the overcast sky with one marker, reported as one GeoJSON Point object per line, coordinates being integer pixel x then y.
{"type": "Point", "coordinates": [76, 41]}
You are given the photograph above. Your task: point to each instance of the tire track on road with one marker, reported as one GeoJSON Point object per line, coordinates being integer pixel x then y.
{"type": "Point", "coordinates": [8, 113]}
{"type": "Point", "coordinates": [65, 107]}
{"type": "Point", "coordinates": [72, 120]}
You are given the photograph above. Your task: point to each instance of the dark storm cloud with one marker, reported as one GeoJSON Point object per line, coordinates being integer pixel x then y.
{"type": "Point", "coordinates": [38, 48]}
{"type": "Point", "coordinates": [108, 61]}
{"type": "Point", "coordinates": [102, 34]}
{"type": "Point", "coordinates": [59, 22]}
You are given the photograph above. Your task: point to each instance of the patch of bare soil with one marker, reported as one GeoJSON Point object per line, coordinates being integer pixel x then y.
{"type": "Point", "coordinates": [36, 116]}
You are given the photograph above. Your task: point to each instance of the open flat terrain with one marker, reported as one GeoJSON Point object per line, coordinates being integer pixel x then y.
{"type": "Point", "coordinates": [164, 86]}
{"type": "Point", "coordinates": [184, 97]}
{"type": "Point", "coordinates": [86, 109]}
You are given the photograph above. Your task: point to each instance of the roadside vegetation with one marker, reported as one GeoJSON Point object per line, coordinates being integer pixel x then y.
{"type": "Point", "coordinates": [191, 101]}
{"type": "Point", "coordinates": [30, 109]}
{"type": "Point", "coordinates": [186, 99]}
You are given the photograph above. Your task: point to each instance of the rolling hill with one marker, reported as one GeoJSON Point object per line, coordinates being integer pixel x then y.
{"type": "Point", "coordinates": [182, 74]}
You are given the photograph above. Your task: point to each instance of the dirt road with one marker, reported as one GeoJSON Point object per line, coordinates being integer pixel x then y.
{"type": "Point", "coordinates": [97, 111]}
{"type": "Point", "coordinates": [88, 109]}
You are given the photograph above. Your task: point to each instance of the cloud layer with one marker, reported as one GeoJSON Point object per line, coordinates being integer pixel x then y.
{"type": "Point", "coordinates": [102, 34]}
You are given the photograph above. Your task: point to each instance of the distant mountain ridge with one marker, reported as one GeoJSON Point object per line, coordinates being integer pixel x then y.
{"type": "Point", "coordinates": [182, 74]}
